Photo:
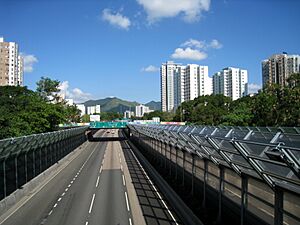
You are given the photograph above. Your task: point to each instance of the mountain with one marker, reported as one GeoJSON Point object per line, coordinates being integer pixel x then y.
{"type": "Point", "coordinates": [154, 105]}
{"type": "Point", "coordinates": [112, 104]}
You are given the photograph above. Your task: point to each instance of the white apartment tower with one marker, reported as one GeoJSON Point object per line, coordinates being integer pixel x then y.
{"type": "Point", "coordinates": [167, 76]}
{"type": "Point", "coordinates": [140, 110]}
{"type": "Point", "coordinates": [278, 68]}
{"type": "Point", "coordinates": [179, 83]}
{"type": "Point", "coordinates": [11, 64]}
{"type": "Point", "coordinates": [197, 82]}
{"type": "Point", "coordinates": [183, 83]}
{"type": "Point", "coordinates": [231, 82]}
{"type": "Point", "coordinates": [81, 107]}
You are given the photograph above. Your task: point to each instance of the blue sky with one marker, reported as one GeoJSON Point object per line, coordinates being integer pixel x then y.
{"type": "Point", "coordinates": [101, 48]}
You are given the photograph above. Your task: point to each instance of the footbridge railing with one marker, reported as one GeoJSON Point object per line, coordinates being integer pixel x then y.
{"type": "Point", "coordinates": [253, 170]}
{"type": "Point", "coordinates": [23, 158]}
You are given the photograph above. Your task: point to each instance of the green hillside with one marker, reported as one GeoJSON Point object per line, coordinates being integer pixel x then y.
{"type": "Point", "coordinates": [154, 105]}
{"type": "Point", "coordinates": [112, 104]}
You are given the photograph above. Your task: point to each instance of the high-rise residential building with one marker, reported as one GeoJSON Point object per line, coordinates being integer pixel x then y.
{"type": "Point", "coordinates": [81, 107]}
{"type": "Point", "coordinates": [182, 83]}
{"type": "Point", "coordinates": [98, 109]}
{"type": "Point", "coordinates": [128, 114]}
{"type": "Point", "coordinates": [95, 109]}
{"type": "Point", "coordinates": [11, 64]}
{"type": "Point", "coordinates": [69, 101]}
{"type": "Point", "coordinates": [140, 110]}
{"type": "Point", "coordinates": [179, 84]}
{"type": "Point", "coordinates": [278, 68]}
{"type": "Point", "coordinates": [197, 82]}
{"type": "Point", "coordinates": [231, 82]}
{"type": "Point", "coordinates": [167, 76]}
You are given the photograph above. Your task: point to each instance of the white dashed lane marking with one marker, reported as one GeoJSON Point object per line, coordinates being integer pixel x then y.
{"type": "Point", "coordinates": [92, 202]}
{"type": "Point", "coordinates": [127, 203]}
{"type": "Point", "coordinates": [97, 182]}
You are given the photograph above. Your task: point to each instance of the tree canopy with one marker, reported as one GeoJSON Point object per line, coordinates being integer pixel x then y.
{"type": "Point", "coordinates": [274, 106]}
{"type": "Point", "coordinates": [25, 112]}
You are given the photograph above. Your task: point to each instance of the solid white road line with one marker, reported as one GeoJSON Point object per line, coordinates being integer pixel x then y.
{"type": "Point", "coordinates": [127, 203]}
{"type": "Point", "coordinates": [92, 202]}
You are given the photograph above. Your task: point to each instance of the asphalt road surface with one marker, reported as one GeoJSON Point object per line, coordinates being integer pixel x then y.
{"type": "Point", "coordinates": [91, 189]}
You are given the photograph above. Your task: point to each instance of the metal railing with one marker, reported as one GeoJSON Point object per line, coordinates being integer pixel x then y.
{"type": "Point", "coordinates": [255, 168]}
{"type": "Point", "coordinates": [23, 158]}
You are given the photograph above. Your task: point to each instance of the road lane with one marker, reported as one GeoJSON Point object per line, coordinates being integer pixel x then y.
{"type": "Point", "coordinates": [76, 203]}
{"type": "Point", "coordinates": [111, 204]}
{"type": "Point", "coordinates": [36, 209]}
{"type": "Point", "coordinates": [91, 190]}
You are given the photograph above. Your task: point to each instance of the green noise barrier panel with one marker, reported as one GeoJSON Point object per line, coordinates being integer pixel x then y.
{"type": "Point", "coordinates": [253, 171]}
{"type": "Point", "coordinates": [23, 158]}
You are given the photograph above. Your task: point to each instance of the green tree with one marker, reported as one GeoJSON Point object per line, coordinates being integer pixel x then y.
{"type": "Point", "coordinates": [85, 118]}
{"type": "Point", "coordinates": [205, 110]}
{"type": "Point", "coordinates": [164, 116]}
{"type": "Point", "coordinates": [240, 113]}
{"type": "Point", "coordinates": [48, 88]}
{"type": "Point", "coordinates": [72, 113]}
{"type": "Point", "coordinates": [24, 112]}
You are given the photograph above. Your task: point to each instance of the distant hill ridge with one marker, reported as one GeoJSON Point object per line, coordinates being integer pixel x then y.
{"type": "Point", "coordinates": [114, 104]}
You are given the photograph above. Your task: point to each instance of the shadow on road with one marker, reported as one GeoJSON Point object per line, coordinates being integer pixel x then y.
{"type": "Point", "coordinates": [102, 139]}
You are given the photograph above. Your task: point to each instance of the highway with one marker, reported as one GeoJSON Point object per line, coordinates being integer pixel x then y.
{"type": "Point", "coordinates": [91, 189]}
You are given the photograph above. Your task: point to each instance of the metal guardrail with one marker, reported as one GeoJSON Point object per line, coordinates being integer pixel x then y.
{"type": "Point", "coordinates": [23, 158]}
{"type": "Point", "coordinates": [259, 156]}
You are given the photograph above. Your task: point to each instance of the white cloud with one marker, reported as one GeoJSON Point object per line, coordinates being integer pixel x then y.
{"type": "Point", "coordinates": [188, 53]}
{"type": "Point", "coordinates": [191, 10]}
{"type": "Point", "coordinates": [195, 49]}
{"type": "Point", "coordinates": [76, 94]}
{"type": "Point", "coordinates": [193, 43]}
{"type": "Point", "coordinates": [253, 88]}
{"type": "Point", "coordinates": [215, 44]}
{"type": "Point", "coordinates": [29, 61]}
{"type": "Point", "coordinates": [150, 69]}
{"type": "Point", "coordinates": [116, 19]}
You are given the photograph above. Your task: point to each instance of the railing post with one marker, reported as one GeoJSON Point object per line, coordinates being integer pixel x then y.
{"type": "Point", "coordinates": [40, 151]}
{"type": "Point", "coordinates": [16, 171]}
{"type": "Point", "coordinates": [193, 174]}
{"type": "Point", "coordinates": [176, 169]}
{"type": "Point", "coordinates": [204, 183]}
{"type": "Point", "coordinates": [165, 156]}
{"type": "Point", "coordinates": [4, 178]}
{"type": "Point", "coordinates": [170, 161]}
{"type": "Point", "coordinates": [26, 170]}
{"type": "Point", "coordinates": [221, 190]}
{"type": "Point", "coordinates": [183, 168]}
{"type": "Point", "coordinates": [244, 198]}
{"type": "Point", "coordinates": [278, 207]}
